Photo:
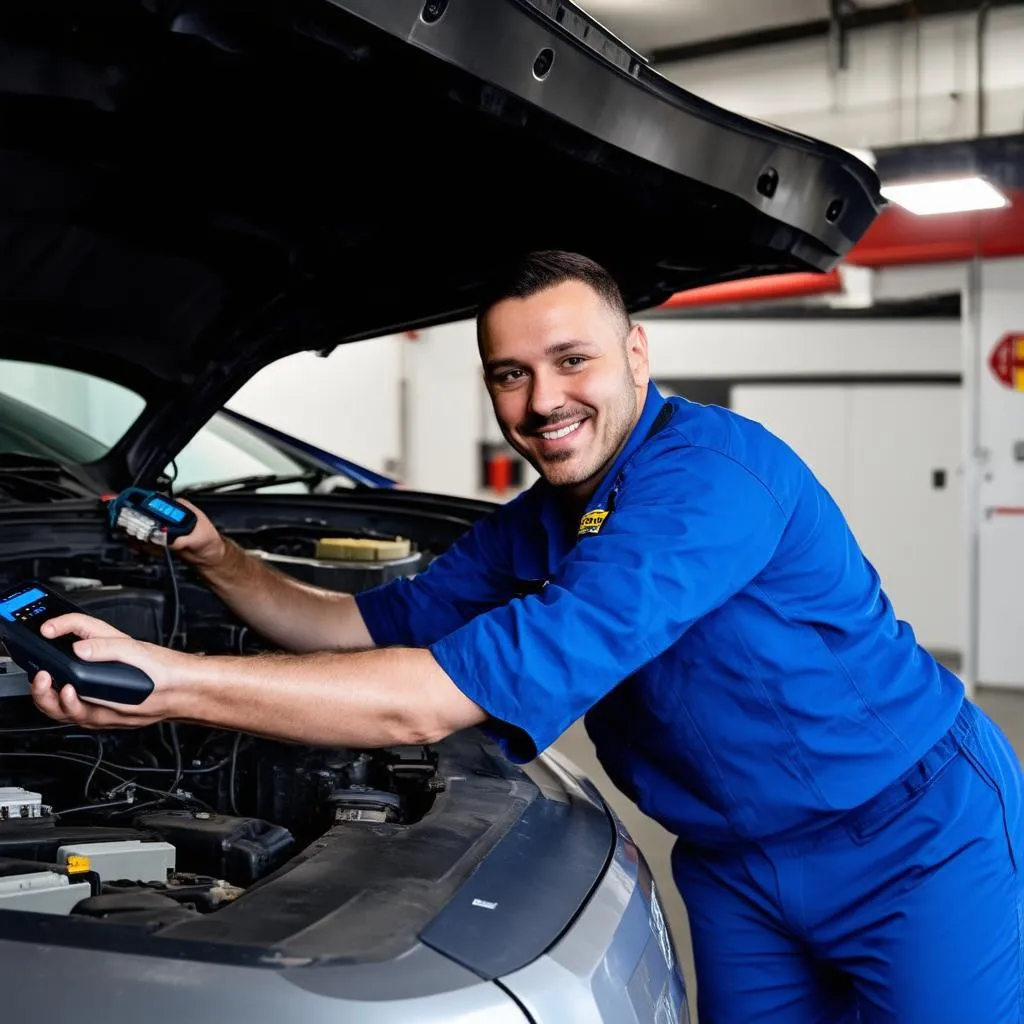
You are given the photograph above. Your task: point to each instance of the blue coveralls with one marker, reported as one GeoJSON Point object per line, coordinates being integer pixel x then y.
{"type": "Point", "coordinates": [849, 824]}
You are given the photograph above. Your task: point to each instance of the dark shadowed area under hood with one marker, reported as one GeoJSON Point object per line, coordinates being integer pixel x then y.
{"type": "Point", "coordinates": [191, 190]}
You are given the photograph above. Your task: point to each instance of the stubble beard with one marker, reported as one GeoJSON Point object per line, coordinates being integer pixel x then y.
{"type": "Point", "coordinates": [623, 421]}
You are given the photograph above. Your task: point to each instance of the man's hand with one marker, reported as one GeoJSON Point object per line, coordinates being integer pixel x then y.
{"type": "Point", "coordinates": [204, 547]}
{"type": "Point", "coordinates": [100, 641]}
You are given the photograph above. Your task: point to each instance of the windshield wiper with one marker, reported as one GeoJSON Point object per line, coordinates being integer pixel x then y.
{"type": "Point", "coordinates": [26, 477]}
{"type": "Point", "coordinates": [252, 483]}
{"type": "Point", "coordinates": [20, 461]}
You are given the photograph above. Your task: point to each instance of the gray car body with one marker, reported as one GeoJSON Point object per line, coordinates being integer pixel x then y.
{"type": "Point", "coordinates": [614, 965]}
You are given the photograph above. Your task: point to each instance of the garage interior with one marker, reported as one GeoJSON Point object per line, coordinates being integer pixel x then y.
{"type": "Point", "coordinates": [880, 375]}
{"type": "Point", "coordinates": [898, 377]}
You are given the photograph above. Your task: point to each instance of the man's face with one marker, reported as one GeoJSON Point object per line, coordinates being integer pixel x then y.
{"type": "Point", "coordinates": [567, 378]}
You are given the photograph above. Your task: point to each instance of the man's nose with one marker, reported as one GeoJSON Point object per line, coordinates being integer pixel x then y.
{"type": "Point", "coordinates": [546, 395]}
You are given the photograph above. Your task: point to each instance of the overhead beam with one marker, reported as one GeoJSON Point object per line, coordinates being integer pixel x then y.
{"type": "Point", "coordinates": [1000, 158]}
{"type": "Point", "coordinates": [852, 20]}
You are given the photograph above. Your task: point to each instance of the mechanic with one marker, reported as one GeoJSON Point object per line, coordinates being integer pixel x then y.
{"type": "Point", "coordinates": [849, 824]}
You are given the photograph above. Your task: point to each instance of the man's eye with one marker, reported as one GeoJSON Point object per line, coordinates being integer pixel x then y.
{"type": "Point", "coordinates": [574, 361]}
{"type": "Point", "coordinates": [509, 376]}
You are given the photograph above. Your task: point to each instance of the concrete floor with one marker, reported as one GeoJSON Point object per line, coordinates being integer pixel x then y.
{"type": "Point", "coordinates": [1005, 707]}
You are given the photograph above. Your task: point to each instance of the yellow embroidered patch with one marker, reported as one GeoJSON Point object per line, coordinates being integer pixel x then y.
{"type": "Point", "coordinates": [592, 522]}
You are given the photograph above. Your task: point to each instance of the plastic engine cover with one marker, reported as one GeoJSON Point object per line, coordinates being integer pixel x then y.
{"type": "Point", "coordinates": [239, 850]}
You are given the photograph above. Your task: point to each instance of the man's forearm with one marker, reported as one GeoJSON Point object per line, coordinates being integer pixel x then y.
{"type": "Point", "coordinates": [292, 614]}
{"type": "Point", "coordinates": [391, 697]}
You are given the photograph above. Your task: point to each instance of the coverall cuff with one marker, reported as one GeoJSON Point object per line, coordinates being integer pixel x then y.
{"type": "Point", "coordinates": [375, 606]}
{"type": "Point", "coordinates": [516, 739]}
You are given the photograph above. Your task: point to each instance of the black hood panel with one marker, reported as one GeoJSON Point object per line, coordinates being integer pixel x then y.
{"type": "Point", "coordinates": [191, 190]}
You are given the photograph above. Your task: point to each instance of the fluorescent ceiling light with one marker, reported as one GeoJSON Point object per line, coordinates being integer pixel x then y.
{"type": "Point", "coordinates": [949, 195]}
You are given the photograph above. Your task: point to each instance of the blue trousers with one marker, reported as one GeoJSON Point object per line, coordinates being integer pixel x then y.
{"type": "Point", "coordinates": [908, 910]}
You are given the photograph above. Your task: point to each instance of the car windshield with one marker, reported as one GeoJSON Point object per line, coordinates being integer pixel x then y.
{"type": "Point", "coordinates": [62, 414]}
{"type": "Point", "coordinates": [73, 417]}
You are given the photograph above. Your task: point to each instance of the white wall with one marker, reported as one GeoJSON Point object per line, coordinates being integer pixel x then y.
{"type": "Point", "coordinates": [899, 85]}
{"type": "Point", "coordinates": [347, 403]}
{"type": "Point", "coordinates": [757, 348]}
{"type": "Point", "coordinates": [445, 410]}
{"type": "Point", "coordinates": [916, 281]}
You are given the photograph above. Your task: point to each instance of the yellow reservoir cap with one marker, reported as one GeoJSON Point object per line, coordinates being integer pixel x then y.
{"type": "Point", "coordinates": [362, 549]}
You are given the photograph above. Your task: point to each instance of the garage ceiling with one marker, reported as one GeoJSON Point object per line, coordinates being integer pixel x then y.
{"type": "Point", "coordinates": [661, 25]}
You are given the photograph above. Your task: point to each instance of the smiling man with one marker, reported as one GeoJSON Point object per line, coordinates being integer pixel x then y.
{"type": "Point", "coordinates": [573, 417]}
{"type": "Point", "coordinates": [849, 824]}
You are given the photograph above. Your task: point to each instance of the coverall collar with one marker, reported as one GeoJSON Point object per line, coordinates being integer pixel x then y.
{"type": "Point", "coordinates": [653, 405]}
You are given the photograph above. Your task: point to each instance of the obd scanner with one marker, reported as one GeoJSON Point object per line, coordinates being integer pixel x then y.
{"type": "Point", "coordinates": [150, 516]}
{"type": "Point", "coordinates": [23, 610]}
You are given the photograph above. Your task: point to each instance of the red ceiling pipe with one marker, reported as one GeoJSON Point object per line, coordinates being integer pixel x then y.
{"type": "Point", "coordinates": [758, 289]}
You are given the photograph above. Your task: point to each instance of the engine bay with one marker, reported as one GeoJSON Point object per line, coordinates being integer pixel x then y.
{"type": "Point", "coordinates": [174, 820]}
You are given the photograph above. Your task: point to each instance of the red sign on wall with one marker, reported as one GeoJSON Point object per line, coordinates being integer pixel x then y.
{"type": "Point", "coordinates": [1007, 361]}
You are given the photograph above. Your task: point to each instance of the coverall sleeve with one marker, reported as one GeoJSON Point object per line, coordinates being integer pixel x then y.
{"type": "Point", "coordinates": [690, 529]}
{"type": "Point", "coordinates": [474, 575]}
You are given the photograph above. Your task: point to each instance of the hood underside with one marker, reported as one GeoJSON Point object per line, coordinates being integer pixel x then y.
{"type": "Point", "coordinates": [192, 190]}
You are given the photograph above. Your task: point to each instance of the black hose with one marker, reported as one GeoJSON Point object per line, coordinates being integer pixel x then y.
{"type": "Point", "coordinates": [11, 730]}
{"type": "Point", "coordinates": [93, 807]}
{"type": "Point", "coordinates": [176, 598]}
{"type": "Point", "coordinates": [73, 758]}
{"type": "Point", "coordinates": [234, 767]}
{"type": "Point", "coordinates": [95, 767]}
{"type": "Point", "coordinates": [222, 763]}
{"type": "Point", "coordinates": [177, 756]}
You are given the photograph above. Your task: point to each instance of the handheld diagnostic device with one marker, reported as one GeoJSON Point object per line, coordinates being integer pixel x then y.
{"type": "Point", "coordinates": [23, 610]}
{"type": "Point", "coordinates": [150, 516]}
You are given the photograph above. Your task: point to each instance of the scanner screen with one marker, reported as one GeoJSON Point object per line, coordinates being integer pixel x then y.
{"type": "Point", "coordinates": [165, 509]}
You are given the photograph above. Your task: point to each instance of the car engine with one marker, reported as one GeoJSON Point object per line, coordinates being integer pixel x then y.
{"type": "Point", "coordinates": [176, 818]}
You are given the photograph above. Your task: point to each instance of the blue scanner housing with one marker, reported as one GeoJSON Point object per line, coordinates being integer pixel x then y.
{"type": "Point", "coordinates": [150, 516]}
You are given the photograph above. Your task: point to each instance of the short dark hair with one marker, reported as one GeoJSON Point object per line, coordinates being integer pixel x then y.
{"type": "Point", "coordinates": [538, 271]}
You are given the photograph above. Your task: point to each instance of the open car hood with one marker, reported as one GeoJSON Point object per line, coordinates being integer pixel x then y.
{"type": "Point", "coordinates": [191, 190]}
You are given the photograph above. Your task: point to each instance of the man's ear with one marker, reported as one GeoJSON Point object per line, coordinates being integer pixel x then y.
{"type": "Point", "coordinates": [636, 353]}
